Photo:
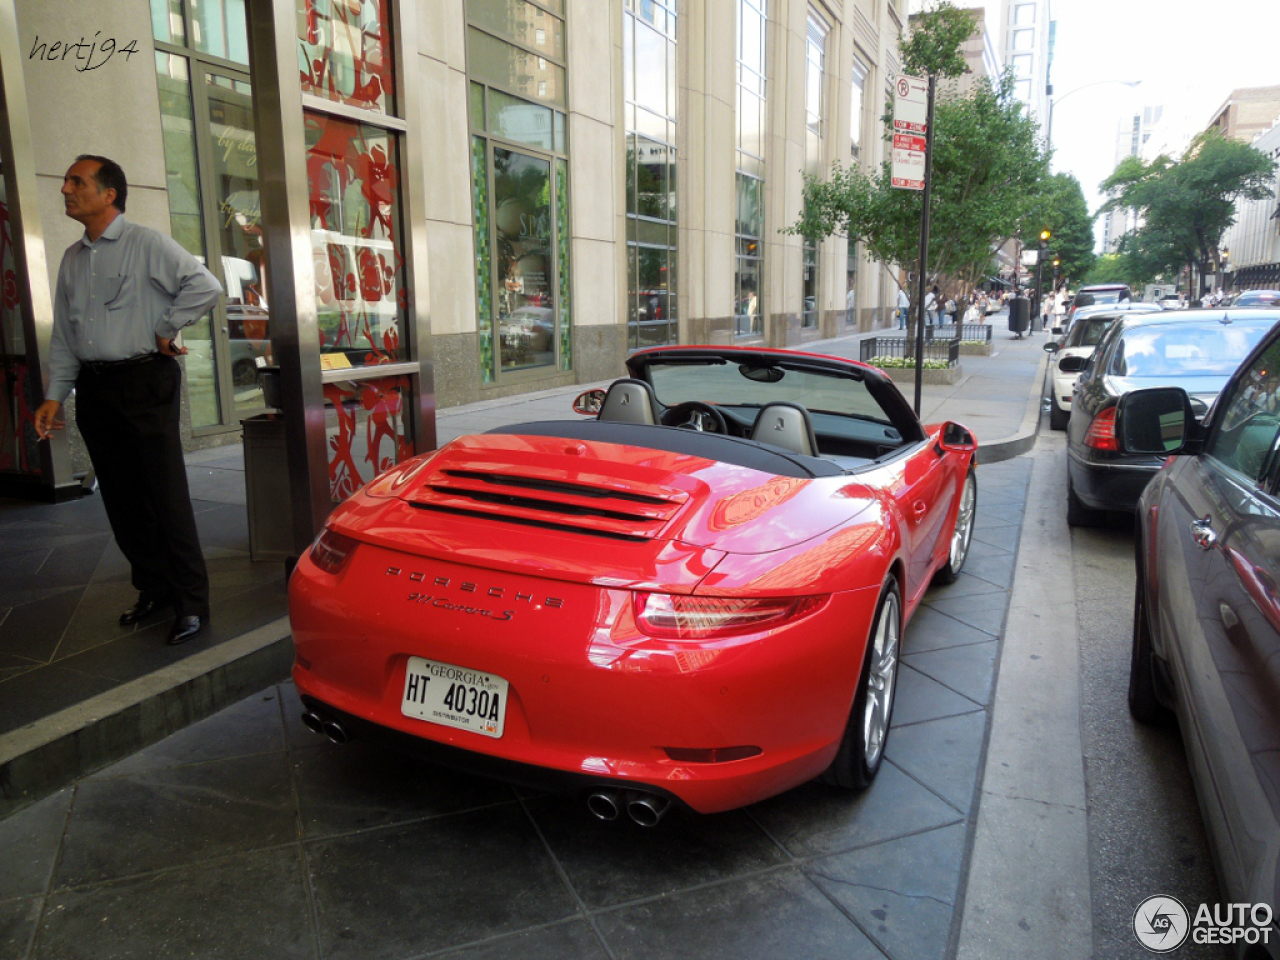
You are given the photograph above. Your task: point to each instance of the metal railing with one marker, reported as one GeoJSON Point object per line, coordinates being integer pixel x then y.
{"type": "Point", "coordinates": [901, 348]}
{"type": "Point", "coordinates": [964, 331]}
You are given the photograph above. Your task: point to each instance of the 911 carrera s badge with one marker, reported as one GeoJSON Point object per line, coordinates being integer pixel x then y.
{"type": "Point", "coordinates": [471, 586]}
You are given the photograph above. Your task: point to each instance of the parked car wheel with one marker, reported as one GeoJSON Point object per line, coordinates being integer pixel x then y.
{"type": "Point", "coordinates": [861, 751]}
{"type": "Point", "coordinates": [1079, 515]}
{"type": "Point", "coordinates": [1144, 704]}
{"type": "Point", "coordinates": [1057, 416]}
{"type": "Point", "coordinates": [962, 535]}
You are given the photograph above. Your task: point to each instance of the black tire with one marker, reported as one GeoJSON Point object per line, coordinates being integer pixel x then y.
{"type": "Point", "coordinates": [1079, 515]}
{"type": "Point", "coordinates": [1144, 703]}
{"type": "Point", "coordinates": [1057, 416]}
{"type": "Point", "coordinates": [961, 533]}
{"type": "Point", "coordinates": [860, 755]}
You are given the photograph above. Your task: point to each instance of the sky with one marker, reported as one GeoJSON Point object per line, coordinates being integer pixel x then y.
{"type": "Point", "coordinates": [1188, 55]}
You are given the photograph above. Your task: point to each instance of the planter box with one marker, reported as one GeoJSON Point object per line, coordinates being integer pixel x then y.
{"type": "Point", "coordinates": [948, 377]}
{"type": "Point", "coordinates": [975, 349]}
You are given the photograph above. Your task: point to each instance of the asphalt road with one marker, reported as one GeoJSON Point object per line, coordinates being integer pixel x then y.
{"type": "Point", "coordinates": [1146, 835]}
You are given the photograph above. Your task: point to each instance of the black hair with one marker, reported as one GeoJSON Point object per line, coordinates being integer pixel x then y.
{"type": "Point", "coordinates": [109, 177]}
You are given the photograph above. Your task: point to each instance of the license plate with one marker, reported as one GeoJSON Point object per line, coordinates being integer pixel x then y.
{"type": "Point", "coordinates": [454, 697]}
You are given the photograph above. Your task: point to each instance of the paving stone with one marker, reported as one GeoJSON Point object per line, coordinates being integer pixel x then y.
{"type": "Point", "coordinates": [685, 850]}
{"type": "Point", "coordinates": [921, 698]}
{"type": "Point", "coordinates": [968, 670]}
{"type": "Point", "coordinates": [18, 920]}
{"type": "Point", "coordinates": [931, 629]}
{"type": "Point", "coordinates": [246, 907]}
{"type": "Point", "coordinates": [409, 890]}
{"type": "Point", "coordinates": [984, 611]}
{"type": "Point", "coordinates": [564, 941]}
{"type": "Point", "coordinates": [356, 786]}
{"type": "Point", "coordinates": [164, 818]}
{"type": "Point", "coordinates": [778, 915]}
{"type": "Point", "coordinates": [816, 819]}
{"type": "Point", "coordinates": [30, 840]}
{"type": "Point", "coordinates": [902, 893]}
{"type": "Point", "coordinates": [943, 754]}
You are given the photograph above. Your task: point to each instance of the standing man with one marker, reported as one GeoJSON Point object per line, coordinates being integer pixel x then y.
{"type": "Point", "coordinates": [124, 292]}
{"type": "Point", "coordinates": [904, 307]}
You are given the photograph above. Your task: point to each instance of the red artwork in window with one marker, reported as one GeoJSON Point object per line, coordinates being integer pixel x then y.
{"type": "Point", "coordinates": [355, 227]}
{"type": "Point", "coordinates": [344, 52]}
{"type": "Point", "coordinates": [379, 404]}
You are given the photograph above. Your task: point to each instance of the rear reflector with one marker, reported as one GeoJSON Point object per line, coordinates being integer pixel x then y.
{"type": "Point", "coordinates": [710, 754]}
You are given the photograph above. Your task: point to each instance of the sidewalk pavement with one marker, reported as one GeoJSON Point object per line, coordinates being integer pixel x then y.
{"type": "Point", "coordinates": [78, 692]}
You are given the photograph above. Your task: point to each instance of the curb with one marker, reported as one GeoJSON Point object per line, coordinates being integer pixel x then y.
{"type": "Point", "coordinates": [1025, 438]}
{"type": "Point", "coordinates": [42, 757]}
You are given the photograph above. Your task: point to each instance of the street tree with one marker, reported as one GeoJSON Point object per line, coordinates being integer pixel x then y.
{"type": "Point", "coordinates": [986, 159]}
{"type": "Point", "coordinates": [1059, 207]}
{"type": "Point", "coordinates": [1185, 206]}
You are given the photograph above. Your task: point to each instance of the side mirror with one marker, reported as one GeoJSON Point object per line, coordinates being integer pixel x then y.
{"type": "Point", "coordinates": [1053, 345]}
{"type": "Point", "coordinates": [1072, 364]}
{"type": "Point", "coordinates": [1157, 421]}
{"type": "Point", "coordinates": [957, 437]}
{"type": "Point", "coordinates": [589, 403]}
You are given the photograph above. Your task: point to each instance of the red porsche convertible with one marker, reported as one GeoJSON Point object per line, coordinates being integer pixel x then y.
{"type": "Point", "coordinates": [696, 595]}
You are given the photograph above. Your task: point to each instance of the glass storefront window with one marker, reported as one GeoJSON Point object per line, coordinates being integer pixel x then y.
{"type": "Point", "coordinates": [345, 54]}
{"type": "Point", "coordinates": [749, 321]}
{"type": "Point", "coordinates": [505, 65]}
{"type": "Point", "coordinates": [221, 29]}
{"type": "Point", "coordinates": [167, 24]}
{"type": "Point", "coordinates": [524, 23]}
{"type": "Point", "coordinates": [354, 178]}
{"type": "Point", "coordinates": [365, 423]}
{"type": "Point", "coordinates": [20, 393]}
{"type": "Point", "coordinates": [239, 230]}
{"type": "Point", "coordinates": [484, 261]}
{"type": "Point", "coordinates": [522, 218]}
{"type": "Point", "coordinates": [186, 223]}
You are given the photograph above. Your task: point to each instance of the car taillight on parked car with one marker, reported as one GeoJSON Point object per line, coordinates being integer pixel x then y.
{"type": "Point", "coordinates": [1102, 431]}
{"type": "Point", "coordinates": [675, 617]}
{"type": "Point", "coordinates": [332, 550]}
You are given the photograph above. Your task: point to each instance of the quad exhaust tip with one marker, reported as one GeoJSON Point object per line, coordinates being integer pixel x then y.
{"type": "Point", "coordinates": [645, 810]}
{"type": "Point", "coordinates": [332, 729]}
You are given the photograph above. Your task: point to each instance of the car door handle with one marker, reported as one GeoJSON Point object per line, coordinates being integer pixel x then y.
{"type": "Point", "coordinates": [1202, 533]}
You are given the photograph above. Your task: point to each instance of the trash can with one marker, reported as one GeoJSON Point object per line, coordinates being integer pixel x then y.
{"type": "Point", "coordinates": [266, 483]}
{"type": "Point", "coordinates": [1019, 315]}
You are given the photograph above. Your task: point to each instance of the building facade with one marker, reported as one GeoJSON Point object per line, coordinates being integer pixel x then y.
{"type": "Point", "coordinates": [1251, 246]}
{"type": "Point", "coordinates": [433, 202]}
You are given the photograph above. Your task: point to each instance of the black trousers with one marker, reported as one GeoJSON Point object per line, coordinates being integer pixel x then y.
{"type": "Point", "coordinates": [128, 415]}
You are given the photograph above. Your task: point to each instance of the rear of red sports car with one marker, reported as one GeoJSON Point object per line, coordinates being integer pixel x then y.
{"type": "Point", "coordinates": [554, 609]}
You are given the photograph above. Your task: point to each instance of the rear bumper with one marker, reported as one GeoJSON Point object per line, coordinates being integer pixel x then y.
{"type": "Point", "coordinates": [1110, 486]}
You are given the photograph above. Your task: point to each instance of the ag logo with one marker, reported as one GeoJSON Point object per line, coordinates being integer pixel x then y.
{"type": "Point", "coordinates": [1161, 924]}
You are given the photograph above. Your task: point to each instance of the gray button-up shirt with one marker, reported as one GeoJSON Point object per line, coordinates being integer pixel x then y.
{"type": "Point", "coordinates": [117, 294]}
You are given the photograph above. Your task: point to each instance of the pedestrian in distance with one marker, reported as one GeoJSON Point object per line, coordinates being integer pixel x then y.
{"type": "Point", "coordinates": [124, 292]}
{"type": "Point", "coordinates": [904, 308]}
{"type": "Point", "coordinates": [931, 306]}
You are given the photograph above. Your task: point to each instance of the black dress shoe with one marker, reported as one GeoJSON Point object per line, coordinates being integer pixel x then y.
{"type": "Point", "coordinates": [184, 628]}
{"type": "Point", "coordinates": [140, 611]}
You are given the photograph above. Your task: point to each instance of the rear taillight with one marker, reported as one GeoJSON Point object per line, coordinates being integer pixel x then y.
{"type": "Point", "coordinates": [332, 550]}
{"type": "Point", "coordinates": [674, 617]}
{"type": "Point", "coordinates": [1102, 431]}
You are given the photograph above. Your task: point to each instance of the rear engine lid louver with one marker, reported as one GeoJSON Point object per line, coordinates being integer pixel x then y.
{"type": "Point", "coordinates": [591, 505]}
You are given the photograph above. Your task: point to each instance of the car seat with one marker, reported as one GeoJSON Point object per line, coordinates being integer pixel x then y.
{"type": "Point", "coordinates": [787, 425]}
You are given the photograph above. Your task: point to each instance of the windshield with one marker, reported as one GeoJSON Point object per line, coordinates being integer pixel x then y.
{"type": "Point", "coordinates": [1088, 332]}
{"type": "Point", "coordinates": [1184, 350]}
{"type": "Point", "coordinates": [1106, 296]}
{"type": "Point", "coordinates": [740, 385]}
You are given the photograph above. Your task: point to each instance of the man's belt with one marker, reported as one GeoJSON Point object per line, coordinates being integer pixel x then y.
{"type": "Point", "coordinates": [106, 366]}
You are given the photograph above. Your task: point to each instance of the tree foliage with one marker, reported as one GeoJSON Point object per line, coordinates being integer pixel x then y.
{"type": "Point", "coordinates": [987, 161]}
{"type": "Point", "coordinates": [1185, 206]}
{"type": "Point", "coordinates": [1058, 205]}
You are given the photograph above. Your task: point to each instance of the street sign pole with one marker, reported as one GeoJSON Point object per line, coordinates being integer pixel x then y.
{"type": "Point", "coordinates": [924, 244]}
